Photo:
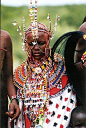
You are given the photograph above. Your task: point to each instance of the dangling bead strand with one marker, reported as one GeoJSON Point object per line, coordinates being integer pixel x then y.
{"type": "Point", "coordinates": [24, 29]}
{"type": "Point", "coordinates": [49, 22]}
{"type": "Point", "coordinates": [54, 28]}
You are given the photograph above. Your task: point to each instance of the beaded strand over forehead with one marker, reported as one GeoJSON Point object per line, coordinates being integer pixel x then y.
{"type": "Point", "coordinates": [35, 26]}
{"type": "Point", "coordinates": [41, 28]}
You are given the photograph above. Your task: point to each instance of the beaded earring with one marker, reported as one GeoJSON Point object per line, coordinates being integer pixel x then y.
{"type": "Point", "coordinates": [48, 51]}
{"type": "Point", "coordinates": [28, 51]}
{"type": "Point", "coordinates": [30, 54]}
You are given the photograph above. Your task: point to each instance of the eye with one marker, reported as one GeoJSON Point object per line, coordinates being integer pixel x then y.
{"type": "Point", "coordinates": [30, 44]}
{"type": "Point", "coordinates": [41, 43]}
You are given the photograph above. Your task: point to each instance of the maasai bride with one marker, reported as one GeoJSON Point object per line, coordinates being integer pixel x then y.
{"type": "Point", "coordinates": [45, 95]}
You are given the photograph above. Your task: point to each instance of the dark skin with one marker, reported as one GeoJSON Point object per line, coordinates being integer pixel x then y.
{"type": "Point", "coordinates": [43, 40]}
{"type": "Point", "coordinates": [6, 43]}
{"type": "Point", "coordinates": [38, 49]}
{"type": "Point", "coordinates": [80, 46]}
{"type": "Point", "coordinates": [79, 120]}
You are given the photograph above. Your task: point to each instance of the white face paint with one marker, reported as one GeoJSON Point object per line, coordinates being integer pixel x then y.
{"type": "Point", "coordinates": [34, 43]}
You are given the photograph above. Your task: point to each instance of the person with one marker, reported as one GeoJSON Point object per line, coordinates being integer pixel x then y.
{"type": "Point", "coordinates": [78, 117]}
{"type": "Point", "coordinates": [80, 64]}
{"type": "Point", "coordinates": [43, 88]}
{"type": "Point", "coordinates": [80, 47]}
{"type": "Point", "coordinates": [46, 96]}
{"type": "Point", "coordinates": [6, 83]}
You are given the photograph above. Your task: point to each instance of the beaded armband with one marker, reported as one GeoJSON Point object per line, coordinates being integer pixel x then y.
{"type": "Point", "coordinates": [14, 97]}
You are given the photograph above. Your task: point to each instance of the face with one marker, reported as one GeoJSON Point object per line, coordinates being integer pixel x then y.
{"type": "Point", "coordinates": [38, 49]}
{"type": "Point", "coordinates": [79, 120]}
{"type": "Point", "coordinates": [80, 46]}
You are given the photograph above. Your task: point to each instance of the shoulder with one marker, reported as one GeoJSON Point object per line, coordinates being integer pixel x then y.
{"type": "Point", "coordinates": [5, 34]}
{"type": "Point", "coordinates": [6, 38]}
{"type": "Point", "coordinates": [58, 57]}
{"type": "Point", "coordinates": [22, 65]}
{"type": "Point", "coordinates": [59, 62]}
{"type": "Point", "coordinates": [20, 75]}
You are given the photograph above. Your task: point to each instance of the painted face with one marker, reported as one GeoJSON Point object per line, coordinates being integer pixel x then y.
{"type": "Point", "coordinates": [79, 120]}
{"type": "Point", "coordinates": [38, 47]}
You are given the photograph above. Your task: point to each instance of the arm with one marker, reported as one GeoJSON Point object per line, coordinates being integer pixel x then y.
{"type": "Point", "coordinates": [9, 75]}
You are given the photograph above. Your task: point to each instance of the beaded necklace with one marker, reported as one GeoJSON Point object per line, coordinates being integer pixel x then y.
{"type": "Point", "coordinates": [35, 90]}
{"type": "Point", "coordinates": [36, 81]}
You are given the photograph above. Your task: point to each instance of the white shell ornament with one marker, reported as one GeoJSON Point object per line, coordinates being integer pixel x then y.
{"type": "Point", "coordinates": [38, 70]}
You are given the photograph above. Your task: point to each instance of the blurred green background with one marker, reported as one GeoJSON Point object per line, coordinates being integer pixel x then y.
{"type": "Point", "coordinates": [71, 17]}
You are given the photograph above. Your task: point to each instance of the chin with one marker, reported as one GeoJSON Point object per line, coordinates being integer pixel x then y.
{"type": "Point", "coordinates": [37, 58]}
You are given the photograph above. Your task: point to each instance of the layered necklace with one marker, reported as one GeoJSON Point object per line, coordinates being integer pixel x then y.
{"type": "Point", "coordinates": [35, 90]}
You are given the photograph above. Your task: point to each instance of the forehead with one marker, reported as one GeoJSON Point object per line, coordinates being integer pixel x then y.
{"type": "Point", "coordinates": [83, 27]}
{"type": "Point", "coordinates": [41, 36]}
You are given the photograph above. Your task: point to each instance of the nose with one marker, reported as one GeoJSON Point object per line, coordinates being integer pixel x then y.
{"type": "Point", "coordinates": [36, 46]}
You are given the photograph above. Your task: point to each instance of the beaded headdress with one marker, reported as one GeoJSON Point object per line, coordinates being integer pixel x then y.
{"type": "Point", "coordinates": [35, 26]}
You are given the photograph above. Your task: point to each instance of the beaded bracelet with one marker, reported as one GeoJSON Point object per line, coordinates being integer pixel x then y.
{"type": "Point", "coordinates": [14, 97]}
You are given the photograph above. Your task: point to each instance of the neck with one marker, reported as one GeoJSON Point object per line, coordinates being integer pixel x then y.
{"type": "Point", "coordinates": [35, 62]}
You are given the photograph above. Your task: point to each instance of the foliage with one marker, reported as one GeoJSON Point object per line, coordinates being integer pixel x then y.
{"type": "Point", "coordinates": [71, 18]}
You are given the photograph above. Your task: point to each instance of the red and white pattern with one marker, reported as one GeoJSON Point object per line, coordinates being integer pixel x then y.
{"type": "Point", "coordinates": [59, 109]}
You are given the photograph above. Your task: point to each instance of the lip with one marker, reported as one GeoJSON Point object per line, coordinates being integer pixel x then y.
{"type": "Point", "coordinates": [36, 54]}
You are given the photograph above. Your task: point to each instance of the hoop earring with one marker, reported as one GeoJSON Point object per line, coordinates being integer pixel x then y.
{"type": "Point", "coordinates": [48, 51]}
{"type": "Point", "coordinates": [30, 54]}
{"type": "Point", "coordinates": [28, 51]}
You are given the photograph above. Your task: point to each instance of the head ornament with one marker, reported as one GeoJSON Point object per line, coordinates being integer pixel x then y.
{"type": "Point", "coordinates": [35, 26]}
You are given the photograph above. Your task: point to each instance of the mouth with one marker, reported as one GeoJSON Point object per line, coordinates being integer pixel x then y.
{"type": "Point", "coordinates": [36, 54]}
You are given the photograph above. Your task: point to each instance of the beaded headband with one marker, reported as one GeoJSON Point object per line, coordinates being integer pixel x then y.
{"type": "Point", "coordinates": [35, 26]}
